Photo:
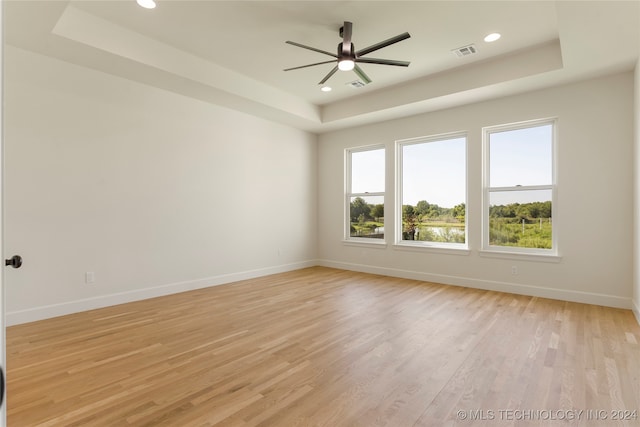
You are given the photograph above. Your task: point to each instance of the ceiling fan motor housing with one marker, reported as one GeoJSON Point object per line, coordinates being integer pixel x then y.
{"type": "Point", "coordinates": [352, 54]}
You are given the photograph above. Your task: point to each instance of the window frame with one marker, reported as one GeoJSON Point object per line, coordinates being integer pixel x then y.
{"type": "Point", "coordinates": [347, 238]}
{"type": "Point", "coordinates": [515, 251]}
{"type": "Point", "coordinates": [442, 247]}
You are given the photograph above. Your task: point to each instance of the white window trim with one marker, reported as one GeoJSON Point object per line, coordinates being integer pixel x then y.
{"type": "Point", "coordinates": [348, 239]}
{"type": "Point", "coordinates": [511, 252]}
{"type": "Point", "coordinates": [536, 257]}
{"type": "Point", "coordinates": [361, 241]}
{"type": "Point", "coordinates": [419, 246]}
{"type": "Point", "coordinates": [437, 247]}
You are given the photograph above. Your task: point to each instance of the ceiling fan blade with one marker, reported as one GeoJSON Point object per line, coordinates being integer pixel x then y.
{"type": "Point", "coordinates": [361, 74]}
{"type": "Point", "coordinates": [310, 65]}
{"type": "Point", "coordinates": [346, 38]}
{"type": "Point", "coordinates": [382, 44]}
{"type": "Point", "coordinates": [331, 73]}
{"type": "Point", "coordinates": [383, 62]}
{"type": "Point", "coordinates": [311, 48]}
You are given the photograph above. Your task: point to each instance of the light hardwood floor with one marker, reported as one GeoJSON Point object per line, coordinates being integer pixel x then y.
{"type": "Point", "coordinates": [328, 347]}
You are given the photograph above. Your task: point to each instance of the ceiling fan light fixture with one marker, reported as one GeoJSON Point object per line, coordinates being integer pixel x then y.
{"type": "Point", "coordinates": [326, 88]}
{"type": "Point", "coordinates": [346, 65]}
{"type": "Point", "coordinates": [147, 4]}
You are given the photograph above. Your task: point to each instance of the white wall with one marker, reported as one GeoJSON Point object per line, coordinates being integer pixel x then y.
{"type": "Point", "coordinates": [595, 195]}
{"type": "Point", "coordinates": [636, 204]}
{"type": "Point", "coordinates": [154, 192]}
{"type": "Point", "coordinates": [158, 193]}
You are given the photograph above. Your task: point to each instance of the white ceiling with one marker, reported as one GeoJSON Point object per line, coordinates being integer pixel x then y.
{"type": "Point", "coordinates": [232, 53]}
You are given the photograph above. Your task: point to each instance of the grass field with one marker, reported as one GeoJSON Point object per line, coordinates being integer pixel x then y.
{"type": "Point", "coordinates": [511, 232]}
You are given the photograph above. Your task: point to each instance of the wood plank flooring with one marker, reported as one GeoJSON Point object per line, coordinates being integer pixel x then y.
{"type": "Point", "coordinates": [325, 347]}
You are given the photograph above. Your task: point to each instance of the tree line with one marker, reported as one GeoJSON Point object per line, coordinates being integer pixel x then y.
{"type": "Point", "coordinates": [424, 211]}
{"type": "Point", "coordinates": [363, 211]}
{"type": "Point", "coordinates": [520, 211]}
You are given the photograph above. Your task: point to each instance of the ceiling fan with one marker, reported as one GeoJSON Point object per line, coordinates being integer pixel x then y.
{"type": "Point", "coordinates": [348, 57]}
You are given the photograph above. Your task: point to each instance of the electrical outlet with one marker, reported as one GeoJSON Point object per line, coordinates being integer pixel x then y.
{"type": "Point", "coordinates": [89, 277]}
{"type": "Point", "coordinates": [514, 270]}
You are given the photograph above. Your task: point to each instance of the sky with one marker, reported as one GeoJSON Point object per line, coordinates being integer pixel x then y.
{"type": "Point", "coordinates": [435, 171]}
{"type": "Point", "coordinates": [521, 157]}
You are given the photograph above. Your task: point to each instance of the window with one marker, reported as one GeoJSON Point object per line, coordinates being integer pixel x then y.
{"type": "Point", "coordinates": [519, 190]}
{"type": "Point", "coordinates": [432, 191]}
{"type": "Point", "coordinates": [365, 194]}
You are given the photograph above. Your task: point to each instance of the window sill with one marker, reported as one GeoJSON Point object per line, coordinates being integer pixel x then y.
{"type": "Point", "coordinates": [420, 247]}
{"type": "Point", "coordinates": [369, 243]}
{"type": "Point", "coordinates": [520, 256]}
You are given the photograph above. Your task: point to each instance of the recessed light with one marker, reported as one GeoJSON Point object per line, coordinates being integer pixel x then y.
{"type": "Point", "coordinates": [326, 88]}
{"type": "Point", "coordinates": [147, 4]}
{"type": "Point", "coordinates": [492, 37]}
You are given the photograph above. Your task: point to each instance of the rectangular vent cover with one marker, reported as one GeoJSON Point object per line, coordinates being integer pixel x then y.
{"type": "Point", "coordinates": [465, 50]}
{"type": "Point", "coordinates": [356, 84]}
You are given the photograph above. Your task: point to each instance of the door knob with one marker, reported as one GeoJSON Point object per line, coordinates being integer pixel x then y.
{"type": "Point", "coordinates": [15, 261]}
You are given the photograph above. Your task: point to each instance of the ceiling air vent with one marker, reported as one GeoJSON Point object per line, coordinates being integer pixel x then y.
{"type": "Point", "coordinates": [465, 50]}
{"type": "Point", "coordinates": [356, 84]}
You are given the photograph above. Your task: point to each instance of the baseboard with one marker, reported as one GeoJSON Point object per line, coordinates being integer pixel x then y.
{"type": "Point", "coordinates": [55, 310]}
{"type": "Point", "coordinates": [636, 310]}
{"type": "Point", "coordinates": [514, 288]}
